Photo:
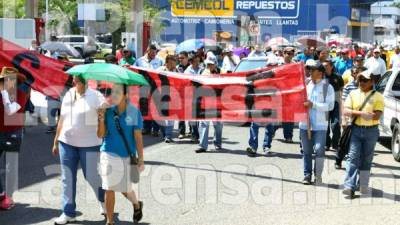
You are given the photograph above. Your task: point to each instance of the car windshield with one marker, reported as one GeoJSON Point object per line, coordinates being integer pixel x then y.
{"type": "Point", "coordinates": [246, 65]}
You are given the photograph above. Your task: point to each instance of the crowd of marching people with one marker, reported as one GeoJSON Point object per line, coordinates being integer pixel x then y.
{"type": "Point", "coordinates": [340, 97]}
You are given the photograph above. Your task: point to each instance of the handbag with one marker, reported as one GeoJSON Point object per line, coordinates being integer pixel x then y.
{"type": "Point", "coordinates": [135, 174]}
{"type": "Point", "coordinates": [344, 140]}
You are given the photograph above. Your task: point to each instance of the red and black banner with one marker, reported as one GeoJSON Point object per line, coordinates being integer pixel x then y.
{"type": "Point", "coordinates": [265, 95]}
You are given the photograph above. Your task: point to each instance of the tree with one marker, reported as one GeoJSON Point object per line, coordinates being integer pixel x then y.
{"type": "Point", "coordinates": [12, 9]}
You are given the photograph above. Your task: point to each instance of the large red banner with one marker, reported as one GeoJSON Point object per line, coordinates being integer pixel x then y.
{"type": "Point", "coordinates": [43, 74]}
{"type": "Point", "coordinates": [265, 95]}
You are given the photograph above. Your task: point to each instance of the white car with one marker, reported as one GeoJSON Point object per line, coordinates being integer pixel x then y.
{"type": "Point", "coordinates": [389, 86]}
{"type": "Point", "coordinates": [85, 45]}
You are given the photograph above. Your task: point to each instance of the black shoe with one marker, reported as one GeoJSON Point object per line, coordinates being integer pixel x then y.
{"type": "Point", "coordinates": [307, 180]}
{"type": "Point", "coordinates": [200, 150]}
{"type": "Point", "coordinates": [168, 140]}
{"type": "Point", "coordinates": [348, 192]}
{"type": "Point", "coordinates": [289, 141]}
{"type": "Point", "coordinates": [155, 134]}
{"type": "Point", "coordinates": [51, 130]}
{"type": "Point", "coordinates": [138, 213]}
{"type": "Point", "coordinates": [338, 166]}
{"type": "Point", "coordinates": [251, 152]}
{"type": "Point", "coordinates": [195, 140]}
{"type": "Point", "coordinates": [218, 148]}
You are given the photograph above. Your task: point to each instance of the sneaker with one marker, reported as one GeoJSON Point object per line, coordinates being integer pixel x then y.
{"type": "Point", "coordinates": [218, 147]}
{"type": "Point", "coordinates": [267, 150]}
{"type": "Point", "coordinates": [318, 180]}
{"type": "Point", "coordinates": [338, 166]}
{"type": "Point", "coordinates": [348, 192]}
{"type": "Point", "coordinates": [181, 136]}
{"type": "Point", "coordinates": [63, 219]}
{"type": "Point", "coordinates": [307, 180]}
{"type": "Point", "coordinates": [251, 152]}
{"type": "Point", "coordinates": [138, 213]}
{"type": "Point", "coordinates": [6, 203]}
{"type": "Point", "coordinates": [200, 150]}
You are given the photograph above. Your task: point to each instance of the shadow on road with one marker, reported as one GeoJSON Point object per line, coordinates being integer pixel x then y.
{"type": "Point", "coordinates": [28, 215]}
{"type": "Point", "coordinates": [157, 163]}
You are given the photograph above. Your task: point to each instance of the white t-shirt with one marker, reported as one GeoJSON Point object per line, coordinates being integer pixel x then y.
{"type": "Point", "coordinates": [79, 127]}
{"type": "Point", "coordinates": [229, 64]}
{"type": "Point", "coordinates": [375, 66]}
{"type": "Point", "coordinates": [395, 61]}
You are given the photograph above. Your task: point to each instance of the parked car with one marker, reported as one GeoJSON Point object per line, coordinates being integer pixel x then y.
{"type": "Point", "coordinates": [389, 86]}
{"type": "Point", "coordinates": [253, 63]}
{"type": "Point", "coordinates": [85, 45]}
{"type": "Point", "coordinates": [103, 50]}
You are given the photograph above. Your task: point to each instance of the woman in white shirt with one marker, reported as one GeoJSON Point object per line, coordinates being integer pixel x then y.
{"type": "Point", "coordinates": [76, 142]}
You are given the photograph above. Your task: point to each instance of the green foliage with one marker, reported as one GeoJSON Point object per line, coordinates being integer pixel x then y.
{"type": "Point", "coordinates": [12, 8]}
{"type": "Point", "coordinates": [65, 13]}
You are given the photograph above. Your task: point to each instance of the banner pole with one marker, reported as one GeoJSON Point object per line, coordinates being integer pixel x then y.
{"type": "Point", "coordinates": [309, 134]}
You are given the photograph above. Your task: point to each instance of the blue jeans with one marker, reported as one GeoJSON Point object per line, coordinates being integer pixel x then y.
{"type": "Point", "coordinates": [53, 109]}
{"type": "Point", "coordinates": [269, 132]}
{"type": "Point", "coordinates": [151, 125]}
{"type": "Point", "coordinates": [334, 126]}
{"type": "Point", "coordinates": [11, 160]}
{"type": "Point", "coordinates": [203, 131]}
{"type": "Point", "coordinates": [194, 127]}
{"type": "Point", "coordinates": [88, 157]}
{"type": "Point", "coordinates": [361, 154]}
{"type": "Point", "coordinates": [288, 130]}
{"type": "Point", "coordinates": [315, 144]}
{"type": "Point", "coordinates": [167, 129]}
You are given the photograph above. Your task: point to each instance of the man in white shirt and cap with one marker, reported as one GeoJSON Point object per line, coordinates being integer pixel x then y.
{"type": "Point", "coordinates": [230, 61]}
{"type": "Point", "coordinates": [376, 65]}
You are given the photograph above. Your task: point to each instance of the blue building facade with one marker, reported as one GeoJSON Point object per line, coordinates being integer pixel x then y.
{"type": "Point", "coordinates": [185, 19]}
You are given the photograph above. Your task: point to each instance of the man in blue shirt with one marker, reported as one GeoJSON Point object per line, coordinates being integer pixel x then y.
{"type": "Point", "coordinates": [344, 63]}
{"type": "Point", "coordinates": [306, 55]}
{"type": "Point", "coordinates": [150, 61]}
{"type": "Point", "coordinates": [320, 100]}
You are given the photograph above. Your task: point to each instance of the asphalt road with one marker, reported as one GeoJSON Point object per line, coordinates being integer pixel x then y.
{"type": "Point", "coordinates": [217, 187]}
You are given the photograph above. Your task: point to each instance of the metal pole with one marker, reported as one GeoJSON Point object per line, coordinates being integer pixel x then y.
{"type": "Point", "coordinates": [47, 21]}
{"type": "Point", "coordinates": [134, 24]}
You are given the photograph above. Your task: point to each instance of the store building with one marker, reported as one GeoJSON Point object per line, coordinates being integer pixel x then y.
{"type": "Point", "coordinates": [241, 21]}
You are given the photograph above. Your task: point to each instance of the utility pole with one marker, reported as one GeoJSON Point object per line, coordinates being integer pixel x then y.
{"type": "Point", "coordinates": [134, 24]}
{"type": "Point", "coordinates": [31, 8]}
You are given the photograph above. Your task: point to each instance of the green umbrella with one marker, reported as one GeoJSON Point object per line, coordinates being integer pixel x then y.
{"type": "Point", "coordinates": [108, 72]}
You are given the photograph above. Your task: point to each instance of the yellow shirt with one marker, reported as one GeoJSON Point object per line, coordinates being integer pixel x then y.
{"type": "Point", "coordinates": [347, 77]}
{"type": "Point", "coordinates": [375, 103]}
